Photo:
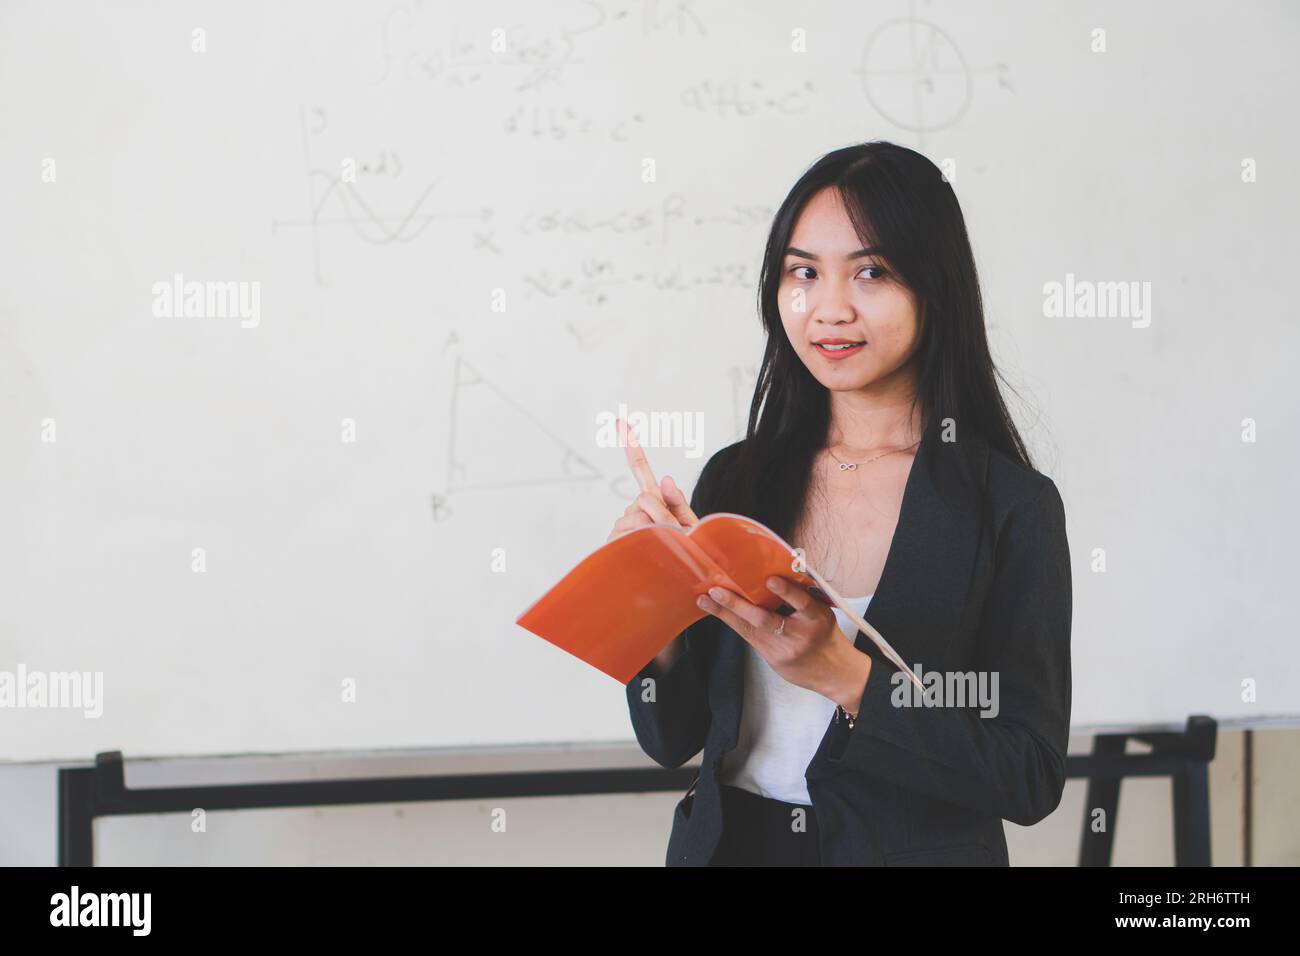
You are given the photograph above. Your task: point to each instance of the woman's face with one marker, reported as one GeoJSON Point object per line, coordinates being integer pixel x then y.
{"type": "Point", "coordinates": [834, 291]}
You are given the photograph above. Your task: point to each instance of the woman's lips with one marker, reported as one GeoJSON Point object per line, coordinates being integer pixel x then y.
{"type": "Point", "coordinates": [836, 354]}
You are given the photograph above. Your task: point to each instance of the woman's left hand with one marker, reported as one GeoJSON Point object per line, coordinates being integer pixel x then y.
{"type": "Point", "coordinates": [811, 651]}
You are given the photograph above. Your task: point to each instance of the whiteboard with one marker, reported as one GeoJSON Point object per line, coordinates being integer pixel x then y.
{"type": "Point", "coordinates": [357, 479]}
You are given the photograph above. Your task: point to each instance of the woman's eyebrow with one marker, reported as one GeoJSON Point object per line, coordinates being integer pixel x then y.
{"type": "Point", "coordinates": [861, 253]}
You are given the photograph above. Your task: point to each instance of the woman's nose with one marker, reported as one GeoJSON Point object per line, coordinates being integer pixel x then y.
{"type": "Point", "coordinates": [833, 303]}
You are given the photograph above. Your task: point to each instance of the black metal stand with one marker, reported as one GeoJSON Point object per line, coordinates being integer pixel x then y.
{"type": "Point", "coordinates": [1184, 757]}
{"type": "Point", "coordinates": [86, 793]}
{"type": "Point", "coordinates": [100, 791]}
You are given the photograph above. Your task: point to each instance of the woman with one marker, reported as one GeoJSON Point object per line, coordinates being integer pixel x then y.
{"type": "Point", "coordinates": [879, 443]}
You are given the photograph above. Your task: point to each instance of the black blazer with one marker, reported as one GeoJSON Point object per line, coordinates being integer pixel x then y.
{"type": "Point", "coordinates": [977, 579]}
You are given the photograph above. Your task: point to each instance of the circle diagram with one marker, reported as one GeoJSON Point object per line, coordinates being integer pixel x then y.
{"type": "Point", "coordinates": [915, 76]}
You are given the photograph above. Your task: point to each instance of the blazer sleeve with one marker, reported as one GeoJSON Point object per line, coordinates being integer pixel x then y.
{"type": "Point", "coordinates": [1012, 764]}
{"type": "Point", "coordinates": [670, 712]}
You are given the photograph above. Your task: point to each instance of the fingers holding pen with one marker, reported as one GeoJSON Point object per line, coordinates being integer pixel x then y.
{"type": "Point", "coordinates": [664, 506]}
{"type": "Point", "coordinates": [651, 505]}
{"type": "Point", "coordinates": [637, 460]}
{"type": "Point", "coordinates": [654, 506]}
{"type": "Point", "coordinates": [677, 502]}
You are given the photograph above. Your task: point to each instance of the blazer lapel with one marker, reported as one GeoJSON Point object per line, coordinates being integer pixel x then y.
{"type": "Point", "coordinates": [934, 558]}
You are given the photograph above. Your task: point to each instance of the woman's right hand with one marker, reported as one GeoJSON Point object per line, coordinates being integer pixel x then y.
{"type": "Point", "coordinates": [658, 502]}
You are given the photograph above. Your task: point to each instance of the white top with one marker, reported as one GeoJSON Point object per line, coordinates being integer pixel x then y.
{"type": "Point", "coordinates": [781, 726]}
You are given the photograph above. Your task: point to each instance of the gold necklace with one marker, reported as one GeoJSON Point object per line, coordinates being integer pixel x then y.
{"type": "Point", "coordinates": [853, 466]}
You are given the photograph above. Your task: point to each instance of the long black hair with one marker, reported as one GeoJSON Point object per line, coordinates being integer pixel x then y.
{"type": "Point", "coordinates": [900, 203]}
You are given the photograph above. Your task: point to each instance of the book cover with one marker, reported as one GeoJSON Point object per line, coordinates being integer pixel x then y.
{"type": "Point", "coordinates": [628, 600]}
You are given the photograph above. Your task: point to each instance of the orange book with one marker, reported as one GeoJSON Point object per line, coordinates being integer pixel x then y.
{"type": "Point", "coordinates": [626, 602]}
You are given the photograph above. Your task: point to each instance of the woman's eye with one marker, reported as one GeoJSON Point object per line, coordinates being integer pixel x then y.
{"type": "Point", "coordinates": [877, 272]}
